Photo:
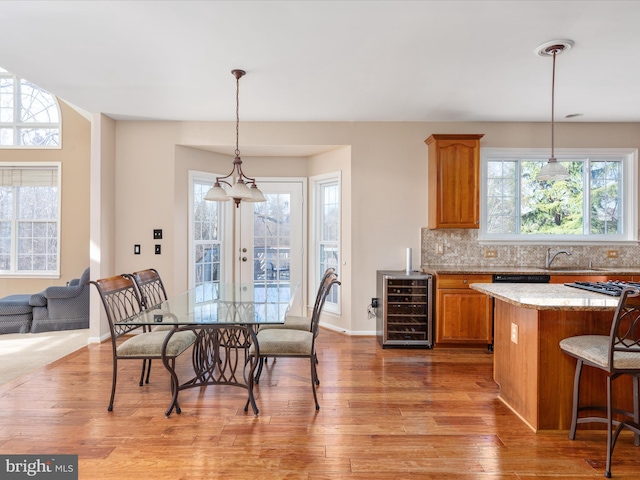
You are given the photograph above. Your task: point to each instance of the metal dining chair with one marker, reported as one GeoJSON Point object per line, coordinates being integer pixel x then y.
{"type": "Point", "coordinates": [297, 322]}
{"type": "Point", "coordinates": [121, 301]}
{"type": "Point", "coordinates": [284, 342]}
{"type": "Point", "coordinates": [616, 354]}
{"type": "Point", "coordinates": [152, 293]}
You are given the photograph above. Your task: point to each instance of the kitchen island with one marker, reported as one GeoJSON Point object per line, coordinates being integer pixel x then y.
{"type": "Point", "coordinates": [534, 375]}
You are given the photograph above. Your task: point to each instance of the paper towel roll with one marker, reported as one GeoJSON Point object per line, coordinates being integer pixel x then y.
{"type": "Point", "coordinates": [409, 261]}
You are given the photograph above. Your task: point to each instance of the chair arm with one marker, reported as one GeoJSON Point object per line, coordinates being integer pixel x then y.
{"type": "Point", "coordinates": [38, 300]}
{"type": "Point", "coordinates": [63, 292]}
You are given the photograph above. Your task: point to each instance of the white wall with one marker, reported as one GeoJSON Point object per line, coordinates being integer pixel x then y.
{"type": "Point", "coordinates": [103, 226]}
{"type": "Point", "coordinates": [388, 185]}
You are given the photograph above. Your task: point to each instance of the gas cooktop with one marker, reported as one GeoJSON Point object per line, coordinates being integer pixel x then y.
{"type": "Point", "coordinates": [612, 287]}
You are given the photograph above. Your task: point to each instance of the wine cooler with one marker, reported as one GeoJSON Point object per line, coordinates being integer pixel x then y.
{"type": "Point", "coordinates": [405, 309]}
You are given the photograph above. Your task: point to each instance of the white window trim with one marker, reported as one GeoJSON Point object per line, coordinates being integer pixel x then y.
{"type": "Point", "coordinates": [314, 275]}
{"type": "Point", "coordinates": [630, 195]}
{"type": "Point", "coordinates": [227, 219]}
{"type": "Point", "coordinates": [35, 274]}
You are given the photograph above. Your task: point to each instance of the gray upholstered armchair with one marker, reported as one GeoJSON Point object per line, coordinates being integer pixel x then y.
{"type": "Point", "coordinates": [62, 308]}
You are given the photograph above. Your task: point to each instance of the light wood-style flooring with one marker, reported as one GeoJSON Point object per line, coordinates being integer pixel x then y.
{"type": "Point", "coordinates": [385, 414]}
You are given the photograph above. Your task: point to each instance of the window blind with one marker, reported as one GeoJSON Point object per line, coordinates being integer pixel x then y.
{"type": "Point", "coordinates": [36, 176]}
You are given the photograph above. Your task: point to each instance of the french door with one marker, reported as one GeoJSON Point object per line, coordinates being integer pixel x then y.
{"type": "Point", "coordinates": [269, 243]}
{"type": "Point", "coordinates": [258, 243]}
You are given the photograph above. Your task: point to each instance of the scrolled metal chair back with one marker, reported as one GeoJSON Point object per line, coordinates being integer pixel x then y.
{"type": "Point", "coordinates": [625, 329]}
{"type": "Point", "coordinates": [319, 296]}
{"type": "Point", "coordinates": [150, 286]}
{"type": "Point", "coordinates": [328, 283]}
{"type": "Point", "coordinates": [121, 301]}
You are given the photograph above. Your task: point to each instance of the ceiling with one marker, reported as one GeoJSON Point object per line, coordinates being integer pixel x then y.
{"type": "Point", "coordinates": [400, 61]}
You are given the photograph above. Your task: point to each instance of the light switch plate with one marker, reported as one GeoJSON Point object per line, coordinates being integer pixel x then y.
{"type": "Point", "coordinates": [158, 249]}
{"type": "Point", "coordinates": [136, 249]}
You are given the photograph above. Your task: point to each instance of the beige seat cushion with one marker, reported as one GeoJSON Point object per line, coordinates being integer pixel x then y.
{"type": "Point", "coordinates": [162, 328]}
{"type": "Point", "coordinates": [291, 322]}
{"type": "Point", "coordinates": [150, 344]}
{"type": "Point", "coordinates": [282, 341]}
{"type": "Point", "coordinates": [595, 349]}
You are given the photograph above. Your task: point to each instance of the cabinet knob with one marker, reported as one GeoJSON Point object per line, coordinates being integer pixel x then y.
{"type": "Point", "coordinates": [464, 281]}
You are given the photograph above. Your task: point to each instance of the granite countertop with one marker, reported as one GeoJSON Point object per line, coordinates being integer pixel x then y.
{"type": "Point", "coordinates": [547, 296]}
{"type": "Point", "coordinates": [497, 269]}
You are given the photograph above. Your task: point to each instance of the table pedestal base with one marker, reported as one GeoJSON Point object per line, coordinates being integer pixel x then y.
{"type": "Point", "coordinates": [220, 357]}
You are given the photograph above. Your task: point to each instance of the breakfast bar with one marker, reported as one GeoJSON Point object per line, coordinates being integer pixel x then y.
{"type": "Point", "coordinates": [534, 375]}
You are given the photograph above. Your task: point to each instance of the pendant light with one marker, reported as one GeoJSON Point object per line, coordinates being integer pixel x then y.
{"type": "Point", "coordinates": [553, 170]}
{"type": "Point", "coordinates": [245, 188]}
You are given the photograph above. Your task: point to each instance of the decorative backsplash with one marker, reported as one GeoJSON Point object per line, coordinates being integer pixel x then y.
{"type": "Point", "coordinates": [461, 247]}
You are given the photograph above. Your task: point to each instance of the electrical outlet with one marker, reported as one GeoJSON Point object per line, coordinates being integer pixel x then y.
{"type": "Point", "coordinates": [440, 248]}
{"type": "Point", "coordinates": [514, 333]}
{"type": "Point", "coordinates": [612, 253]}
{"type": "Point", "coordinates": [490, 253]}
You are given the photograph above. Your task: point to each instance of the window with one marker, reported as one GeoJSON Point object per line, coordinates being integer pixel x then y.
{"type": "Point", "coordinates": [596, 204]}
{"type": "Point", "coordinates": [30, 219]}
{"type": "Point", "coordinates": [206, 233]}
{"type": "Point", "coordinates": [29, 116]}
{"type": "Point", "coordinates": [327, 233]}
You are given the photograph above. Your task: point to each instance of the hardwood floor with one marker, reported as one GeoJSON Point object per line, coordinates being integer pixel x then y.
{"type": "Point", "coordinates": [385, 414]}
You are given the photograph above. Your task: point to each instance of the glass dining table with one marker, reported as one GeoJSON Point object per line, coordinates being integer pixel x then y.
{"type": "Point", "coordinates": [224, 319]}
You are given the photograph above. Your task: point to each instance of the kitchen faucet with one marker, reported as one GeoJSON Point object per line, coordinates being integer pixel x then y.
{"type": "Point", "coordinates": [551, 258]}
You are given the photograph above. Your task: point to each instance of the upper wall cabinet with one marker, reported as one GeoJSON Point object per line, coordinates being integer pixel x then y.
{"type": "Point", "coordinates": [454, 180]}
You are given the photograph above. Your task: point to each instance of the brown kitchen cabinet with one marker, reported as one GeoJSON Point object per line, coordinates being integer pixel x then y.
{"type": "Point", "coordinates": [464, 317]}
{"type": "Point", "coordinates": [454, 180]}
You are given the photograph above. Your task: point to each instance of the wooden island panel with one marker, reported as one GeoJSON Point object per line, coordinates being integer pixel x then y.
{"type": "Point", "coordinates": [515, 365]}
{"type": "Point", "coordinates": [536, 377]}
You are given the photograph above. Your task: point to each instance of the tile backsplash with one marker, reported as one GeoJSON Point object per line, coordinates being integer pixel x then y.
{"type": "Point", "coordinates": [461, 247]}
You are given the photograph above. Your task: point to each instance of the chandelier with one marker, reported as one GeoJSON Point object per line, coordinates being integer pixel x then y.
{"type": "Point", "coordinates": [245, 188]}
{"type": "Point", "coordinates": [553, 170]}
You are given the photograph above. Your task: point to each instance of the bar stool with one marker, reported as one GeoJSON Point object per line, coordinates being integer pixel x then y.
{"type": "Point", "coordinates": [616, 354]}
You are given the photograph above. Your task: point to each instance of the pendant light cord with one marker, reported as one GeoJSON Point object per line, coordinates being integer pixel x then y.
{"type": "Point", "coordinates": [237, 152]}
{"type": "Point", "coordinates": [553, 89]}
{"type": "Point", "coordinates": [553, 170]}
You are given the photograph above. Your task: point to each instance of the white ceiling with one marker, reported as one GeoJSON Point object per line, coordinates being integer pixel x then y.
{"type": "Point", "coordinates": [347, 61]}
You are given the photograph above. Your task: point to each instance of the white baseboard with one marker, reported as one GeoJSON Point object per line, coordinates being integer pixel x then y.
{"type": "Point", "coordinates": [333, 328]}
{"type": "Point", "coordinates": [99, 339]}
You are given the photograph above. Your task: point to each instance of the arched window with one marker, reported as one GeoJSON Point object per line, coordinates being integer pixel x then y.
{"type": "Point", "coordinates": [29, 116]}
